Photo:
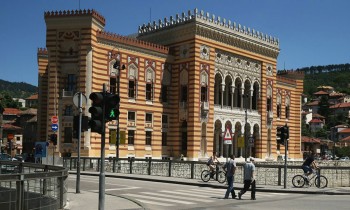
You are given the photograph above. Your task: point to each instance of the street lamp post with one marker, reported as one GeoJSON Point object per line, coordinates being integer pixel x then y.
{"type": "Point", "coordinates": [118, 67]}
{"type": "Point", "coordinates": [245, 97]}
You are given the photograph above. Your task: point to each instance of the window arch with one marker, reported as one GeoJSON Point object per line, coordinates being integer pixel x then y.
{"type": "Point", "coordinates": [287, 107]}
{"type": "Point", "coordinates": [149, 84]}
{"type": "Point", "coordinates": [279, 103]}
{"type": "Point", "coordinates": [132, 86]}
{"type": "Point", "coordinates": [269, 98]}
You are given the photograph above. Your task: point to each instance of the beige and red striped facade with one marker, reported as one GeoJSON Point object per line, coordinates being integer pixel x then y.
{"type": "Point", "coordinates": [188, 55]}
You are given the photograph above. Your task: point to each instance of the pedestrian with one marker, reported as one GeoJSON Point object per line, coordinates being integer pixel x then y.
{"type": "Point", "coordinates": [249, 179]}
{"type": "Point", "coordinates": [230, 168]}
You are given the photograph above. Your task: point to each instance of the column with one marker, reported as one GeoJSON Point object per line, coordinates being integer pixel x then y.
{"type": "Point", "coordinates": [222, 94]}
{"type": "Point", "coordinates": [232, 95]}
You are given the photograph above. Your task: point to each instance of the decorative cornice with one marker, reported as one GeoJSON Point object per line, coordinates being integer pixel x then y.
{"type": "Point", "coordinates": [220, 30]}
{"type": "Point", "coordinates": [132, 41]}
{"type": "Point", "coordinates": [76, 13]}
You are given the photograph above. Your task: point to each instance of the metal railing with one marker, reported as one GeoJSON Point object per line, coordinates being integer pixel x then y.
{"type": "Point", "coordinates": [32, 186]}
{"type": "Point", "coordinates": [267, 173]}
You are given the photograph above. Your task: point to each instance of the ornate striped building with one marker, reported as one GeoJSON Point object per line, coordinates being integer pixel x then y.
{"type": "Point", "coordinates": [188, 80]}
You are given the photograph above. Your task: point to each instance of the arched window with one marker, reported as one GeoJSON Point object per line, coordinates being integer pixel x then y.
{"type": "Point", "coordinates": [279, 108]}
{"type": "Point", "coordinates": [287, 107]}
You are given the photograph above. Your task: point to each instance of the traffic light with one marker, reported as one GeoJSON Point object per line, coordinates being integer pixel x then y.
{"type": "Point", "coordinates": [280, 135]}
{"type": "Point", "coordinates": [96, 111]}
{"type": "Point", "coordinates": [286, 132]}
{"type": "Point", "coordinates": [111, 107]}
{"type": "Point", "coordinates": [53, 138]}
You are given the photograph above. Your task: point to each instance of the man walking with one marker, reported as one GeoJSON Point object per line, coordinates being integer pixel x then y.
{"type": "Point", "coordinates": [249, 179]}
{"type": "Point", "coordinates": [230, 168]}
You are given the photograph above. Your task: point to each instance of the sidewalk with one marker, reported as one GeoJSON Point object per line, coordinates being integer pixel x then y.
{"type": "Point", "coordinates": [89, 200]}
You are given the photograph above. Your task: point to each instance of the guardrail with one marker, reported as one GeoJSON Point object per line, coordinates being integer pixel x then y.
{"type": "Point", "coordinates": [32, 186]}
{"type": "Point", "coordinates": [268, 173]}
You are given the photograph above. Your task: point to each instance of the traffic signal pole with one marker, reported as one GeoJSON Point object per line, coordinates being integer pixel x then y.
{"type": "Point", "coordinates": [101, 204]}
{"type": "Point", "coordinates": [286, 136]}
{"type": "Point", "coordinates": [77, 190]}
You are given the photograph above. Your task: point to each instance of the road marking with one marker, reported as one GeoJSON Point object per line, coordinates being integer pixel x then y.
{"type": "Point", "coordinates": [160, 199]}
{"type": "Point", "coordinates": [125, 187]}
{"type": "Point", "coordinates": [154, 203]}
{"type": "Point", "coordinates": [116, 189]}
{"type": "Point", "coordinates": [177, 197]}
{"type": "Point", "coordinates": [185, 192]}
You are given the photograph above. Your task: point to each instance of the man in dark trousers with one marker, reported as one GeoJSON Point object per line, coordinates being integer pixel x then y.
{"type": "Point", "coordinates": [230, 168]}
{"type": "Point", "coordinates": [249, 179]}
{"type": "Point", "coordinates": [308, 165]}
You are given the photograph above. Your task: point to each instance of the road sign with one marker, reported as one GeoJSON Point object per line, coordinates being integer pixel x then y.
{"type": "Point", "coordinates": [54, 119]}
{"type": "Point", "coordinates": [240, 142]}
{"type": "Point", "coordinates": [54, 127]}
{"type": "Point", "coordinates": [227, 136]}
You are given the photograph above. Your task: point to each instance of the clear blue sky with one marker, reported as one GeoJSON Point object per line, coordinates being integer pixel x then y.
{"type": "Point", "coordinates": [311, 32]}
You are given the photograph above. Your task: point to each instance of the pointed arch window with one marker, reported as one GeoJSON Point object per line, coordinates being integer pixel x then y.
{"type": "Point", "coordinates": [279, 108]}
{"type": "Point", "coordinates": [287, 107]}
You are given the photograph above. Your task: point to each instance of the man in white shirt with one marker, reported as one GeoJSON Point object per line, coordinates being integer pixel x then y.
{"type": "Point", "coordinates": [249, 179]}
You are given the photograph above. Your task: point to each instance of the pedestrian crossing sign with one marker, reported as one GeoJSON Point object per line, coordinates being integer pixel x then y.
{"type": "Point", "coordinates": [227, 136]}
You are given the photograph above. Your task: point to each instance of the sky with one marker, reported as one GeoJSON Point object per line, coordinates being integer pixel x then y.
{"type": "Point", "coordinates": [311, 32]}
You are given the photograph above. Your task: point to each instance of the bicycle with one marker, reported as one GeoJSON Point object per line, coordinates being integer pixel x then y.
{"type": "Point", "coordinates": [300, 180]}
{"type": "Point", "coordinates": [220, 175]}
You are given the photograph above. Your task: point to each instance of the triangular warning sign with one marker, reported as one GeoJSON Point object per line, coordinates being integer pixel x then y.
{"type": "Point", "coordinates": [227, 135]}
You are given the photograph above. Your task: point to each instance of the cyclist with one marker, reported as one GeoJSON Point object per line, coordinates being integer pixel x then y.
{"type": "Point", "coordinates": [309, 164]}
{"type": "Point", "coordinates": [212, 161]}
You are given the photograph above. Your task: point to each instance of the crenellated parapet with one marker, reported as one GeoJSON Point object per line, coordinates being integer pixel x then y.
{"type": "Point", "coordinates": [71, 13]}
{"type": "Point", "coordinates": [292, 74]}
{"type": "Point", "coordinates": [42, 51]}
{"type": "Point", "coordinates": [132, 41]}
{"type": "Point", "coordinates": [210, 19]}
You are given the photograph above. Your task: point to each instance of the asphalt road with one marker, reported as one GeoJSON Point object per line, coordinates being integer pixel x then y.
{"type": "Point", "coordinates": [155, 195]}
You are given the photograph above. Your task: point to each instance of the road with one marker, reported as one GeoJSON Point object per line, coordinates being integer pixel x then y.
{"type": "Point", "coordinates": [154, 195]}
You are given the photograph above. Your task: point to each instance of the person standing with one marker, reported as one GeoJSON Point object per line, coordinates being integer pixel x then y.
{"type": "Point", "coordinates": [230, 168]}
{"type": "Point", "coordinates": [249, 179]}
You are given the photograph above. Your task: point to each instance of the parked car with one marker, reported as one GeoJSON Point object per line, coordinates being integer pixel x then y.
{"type": "Point", "coordinates": [346, 158]}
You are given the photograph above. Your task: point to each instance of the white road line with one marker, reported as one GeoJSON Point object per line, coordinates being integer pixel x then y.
{"type": "Point", "coordinates": [115, 189]}
{"type": "Point", "coordinates": [154, 203]}
{"type": "Point", "coordinates": [185, 192]}
{"type": "Point", "coordinates": [160, 199]}
{"type": "Point", "coordinates": [125, 186]}
{"type": "Point", "coordinates": [178, 197]}
{"type": "Point", "coordinates": [208, 190]}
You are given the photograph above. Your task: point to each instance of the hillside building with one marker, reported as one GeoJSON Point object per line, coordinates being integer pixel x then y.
{"type": "Point", "coordinates": [188, 79]}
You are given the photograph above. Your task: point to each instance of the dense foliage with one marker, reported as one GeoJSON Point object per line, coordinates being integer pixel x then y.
{"type": "Point", "coordinates": [10, 90]}
{"type": "Point", "coordinates": [336, 76]}
{"type": "Point", "coordinates": [17, 89]}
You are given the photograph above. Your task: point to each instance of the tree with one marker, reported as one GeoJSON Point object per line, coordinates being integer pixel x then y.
{"type": "Point", "coordinates": [324, 107]}
{"type": "Point", "coordinates": [8, 102]}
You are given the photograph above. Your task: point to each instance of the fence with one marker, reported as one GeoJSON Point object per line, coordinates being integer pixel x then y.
{"type": "Point", "coordinates": [32, 186]}
{"type": "Point", "coordinates": [268, 173]}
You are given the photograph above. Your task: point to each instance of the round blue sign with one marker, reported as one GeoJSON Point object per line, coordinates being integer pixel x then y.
{"type": "Point", "coordinates": [54, 127]}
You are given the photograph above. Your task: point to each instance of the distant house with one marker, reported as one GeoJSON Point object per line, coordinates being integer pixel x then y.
{"type": "Point", "coordinates": [341, 108]}
{"type": "Point", "coordinates": [10, 115]}
{"type": "Point", "coordinates": [28, 121]}
{"type": "Point", "coordinates": [32, 101]}
{"type": "Point", "coordinates": [309, 144]}
{"type": "Point", "coordinates": [316, 124]}
{"type": "Point", "coordinates": [344, 134]}
{"type": "Point", "coordinates": [21, 101]}
{"type": "Point", "coordinates": [313, 105]}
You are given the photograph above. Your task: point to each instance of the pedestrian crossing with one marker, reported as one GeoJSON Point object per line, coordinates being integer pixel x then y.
{"type": "Point", "coordinates": [192, 196]}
